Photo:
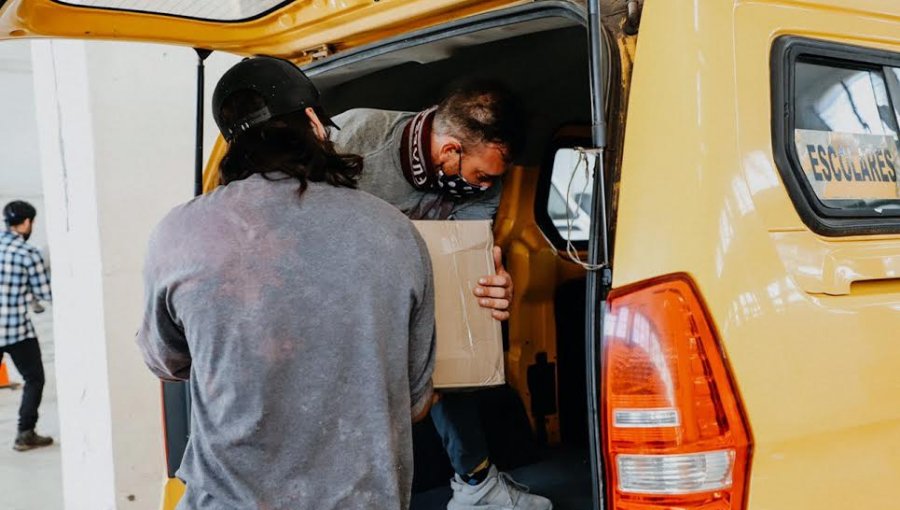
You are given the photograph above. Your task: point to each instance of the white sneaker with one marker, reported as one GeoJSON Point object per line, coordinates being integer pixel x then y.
{"type": "Point", "coordinates": [497, 492]}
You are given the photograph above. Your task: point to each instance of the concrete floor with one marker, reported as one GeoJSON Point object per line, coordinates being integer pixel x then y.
{"type": "Point", "coordinates": [31, 480]}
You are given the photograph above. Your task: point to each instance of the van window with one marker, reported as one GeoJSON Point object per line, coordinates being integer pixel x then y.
{"type": "Point", "coordinates": [571, 189]}
{"type": "Point", "coordinates": [836, 140]}
{"type": "Point", "coordinates": [846, 136]}
{"type": "Point", "coordinates": [565, 189]}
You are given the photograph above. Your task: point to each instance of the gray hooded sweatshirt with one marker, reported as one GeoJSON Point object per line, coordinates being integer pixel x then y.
{"type": "Point", "coordinates": [306, 329]}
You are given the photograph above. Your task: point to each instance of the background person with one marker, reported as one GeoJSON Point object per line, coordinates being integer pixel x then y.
{"type": "Point", "coordinates": [24, 279]}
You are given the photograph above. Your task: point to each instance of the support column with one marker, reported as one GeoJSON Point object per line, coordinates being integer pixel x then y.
{"type": "Point", "coordinates": [116, 125]}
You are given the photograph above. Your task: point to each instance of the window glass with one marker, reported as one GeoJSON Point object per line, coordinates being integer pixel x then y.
{"type": "Point", "coordinates": [214, 10]}
{"type": "Point", "coordinates": [571, 192]}
{"type": "Point", "coordinates": [846, 136]}
{"type": "Point", "coordinates": [556, 205]}
{"type": "Point", "coordinates": [892, 77]}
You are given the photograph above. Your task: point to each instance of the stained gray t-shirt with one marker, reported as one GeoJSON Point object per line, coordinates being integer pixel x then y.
{"type": "Point", "coordinates": [306, 328]}
{"type": "Point", "coordinates": [376, 135]}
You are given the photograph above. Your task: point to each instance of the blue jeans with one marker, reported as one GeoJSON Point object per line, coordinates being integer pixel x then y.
{"type": "Point", "coordinates": [458, 422]}
{"type": "Point", "coordinates": [26, 356]}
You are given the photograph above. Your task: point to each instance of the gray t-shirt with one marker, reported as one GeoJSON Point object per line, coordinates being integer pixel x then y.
{"type": "Point", "coordinates": [306, 328]}
{"type": "Point", "coordinates": [376, 135]}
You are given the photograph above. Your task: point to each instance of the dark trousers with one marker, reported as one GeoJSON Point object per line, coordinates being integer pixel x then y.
{"type": "Point", "coordinates": [26, 356]}
{"type": "Point", "coordinates": [458, 422]}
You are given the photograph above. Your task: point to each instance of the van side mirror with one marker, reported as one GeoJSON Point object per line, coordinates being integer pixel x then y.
{"type": "Point", "coordinates": [571, 194]}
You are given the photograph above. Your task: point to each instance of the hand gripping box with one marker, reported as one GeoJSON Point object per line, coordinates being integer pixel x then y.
{"type": "Point", "coordinates": [469, 340]}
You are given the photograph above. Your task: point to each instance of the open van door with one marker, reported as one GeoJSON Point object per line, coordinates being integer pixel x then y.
{"type": "Point", "coordinates": [299, 31]}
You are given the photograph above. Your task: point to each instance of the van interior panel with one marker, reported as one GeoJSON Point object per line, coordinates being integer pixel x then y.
{"type": "Point", "coordinates": [536, 424]}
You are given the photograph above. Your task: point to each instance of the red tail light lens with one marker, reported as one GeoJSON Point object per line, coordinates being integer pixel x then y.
{"type": "Point", "coordinates": [674, 432]}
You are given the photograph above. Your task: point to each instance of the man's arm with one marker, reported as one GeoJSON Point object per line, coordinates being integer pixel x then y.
{"type": "Point", "coordinates": [162, 341]}
{"type": "Point", "coordinates": [421, 342]}
{"type": "Point", "coordinates": [38, 277]}
{"type": "Point", "coordinates": [161, 338]}
{"type": "Point", "coordinates": [483, 207]}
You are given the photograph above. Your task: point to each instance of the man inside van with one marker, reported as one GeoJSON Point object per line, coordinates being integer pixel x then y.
{"type": "Point", "coordinates": [300, 309]}
{"type": "Point", "coordinates": [445, 163]}
{"type": "Point", "coordinates": [23, 277]}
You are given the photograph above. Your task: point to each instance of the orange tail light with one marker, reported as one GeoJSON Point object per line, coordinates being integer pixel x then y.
{"type": "Point", "coordinates": [674, 433]}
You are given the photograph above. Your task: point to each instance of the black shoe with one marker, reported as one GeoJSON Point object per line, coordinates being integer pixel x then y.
{"type": "Point", "coordinates": [28, 440]}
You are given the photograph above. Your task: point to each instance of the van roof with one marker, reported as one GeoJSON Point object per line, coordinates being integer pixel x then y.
{"type": "Point", "coordinates": [300, 31]}
{"type": "Point", "coordinates": [293, 29]}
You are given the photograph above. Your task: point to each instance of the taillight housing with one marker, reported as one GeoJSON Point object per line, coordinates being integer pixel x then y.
{"type": "Point", "coordinates": [675, 434]}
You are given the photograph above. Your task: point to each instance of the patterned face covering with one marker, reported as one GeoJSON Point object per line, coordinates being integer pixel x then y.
{"type": "Point", "coordinates": [456, 186]}
{"type": "Point", "coordinates": [419, 170]}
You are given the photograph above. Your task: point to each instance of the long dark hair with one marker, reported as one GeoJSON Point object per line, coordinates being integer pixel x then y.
{"type": "Point", "coordinates": [286, 144]}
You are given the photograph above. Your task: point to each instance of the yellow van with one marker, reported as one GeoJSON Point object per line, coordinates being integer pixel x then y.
{"type": "Point", "coordinates": [714, 323]}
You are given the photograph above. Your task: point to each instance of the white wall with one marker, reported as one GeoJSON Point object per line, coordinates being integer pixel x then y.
{"type": "Point", "coordinates": [20, 176]}
{"type": "Point", "coordinates": [116, 126]}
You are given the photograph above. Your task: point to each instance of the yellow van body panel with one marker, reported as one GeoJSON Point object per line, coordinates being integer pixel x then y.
{"type": "Point", "coordinates": [295, 31]}
{"type": "Point", "coordinates": [813, 352]}
{"type": "Point", "coordinates": [173, 491]}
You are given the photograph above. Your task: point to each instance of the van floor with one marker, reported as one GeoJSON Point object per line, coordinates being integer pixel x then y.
{"type": "Point", "coordinates": [563, 475]}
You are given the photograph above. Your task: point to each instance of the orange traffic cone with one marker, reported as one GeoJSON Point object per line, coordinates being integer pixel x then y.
{"type": "Point", "coordinates": [4, 378]}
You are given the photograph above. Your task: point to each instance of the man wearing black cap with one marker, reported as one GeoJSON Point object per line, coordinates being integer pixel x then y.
{"type": "Point", "coordinates": [22, 274]}
{"type": "Point", "coordinates": [300, 309]}
{"type": "Point", "coordinates": [446, 163]}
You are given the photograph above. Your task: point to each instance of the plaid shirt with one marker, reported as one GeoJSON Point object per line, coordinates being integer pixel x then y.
{"type": "Point", "coordinates": [22, 274]}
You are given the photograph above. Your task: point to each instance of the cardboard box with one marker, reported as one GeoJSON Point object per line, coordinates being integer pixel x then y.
{"type": "Point", "coordinates": [469, 340]}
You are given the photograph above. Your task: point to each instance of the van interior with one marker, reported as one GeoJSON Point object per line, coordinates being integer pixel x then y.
{"type": "Point", "coordinates": [536, 425]}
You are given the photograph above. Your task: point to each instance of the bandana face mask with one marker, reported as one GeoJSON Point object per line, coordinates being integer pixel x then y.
{"type": "Point", "coordinates": [455, 185]}
{"type": "Point", "coordinates": [420, 172]}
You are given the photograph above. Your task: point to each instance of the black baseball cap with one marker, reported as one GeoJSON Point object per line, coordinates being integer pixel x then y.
{"type": "Point", "coordinates": [283, 87]}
